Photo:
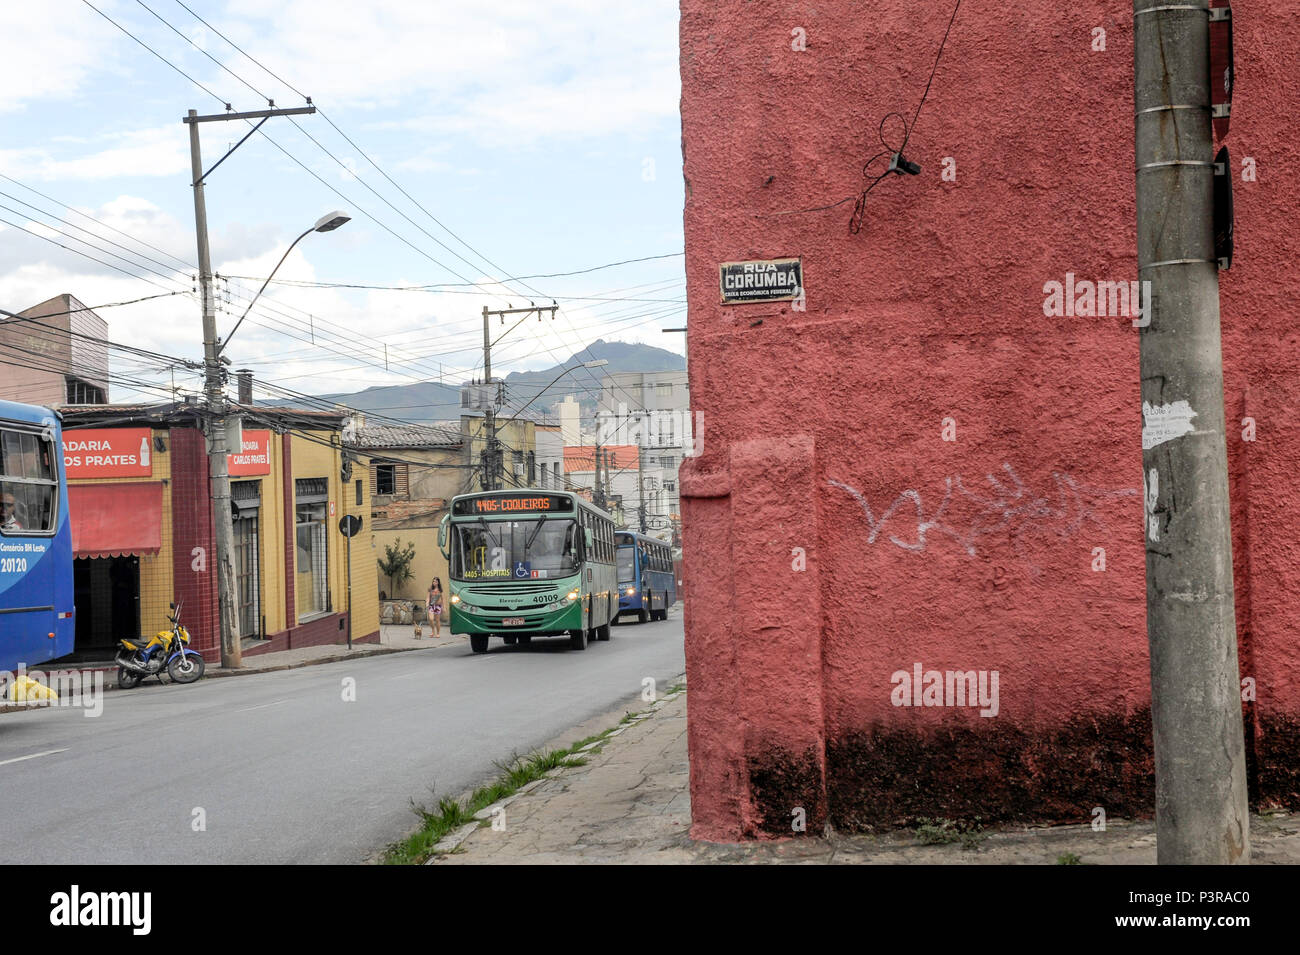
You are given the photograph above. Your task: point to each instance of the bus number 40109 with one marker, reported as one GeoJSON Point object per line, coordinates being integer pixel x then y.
{"type": "Point", "coordinates": [13, 565]}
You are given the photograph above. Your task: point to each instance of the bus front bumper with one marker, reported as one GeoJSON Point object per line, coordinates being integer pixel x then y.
{"type": "Point", "coordinates": [534, 621]}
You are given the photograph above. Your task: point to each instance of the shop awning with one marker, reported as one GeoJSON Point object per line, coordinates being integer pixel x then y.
{"type": "Point", "coordinates": [111, 520]}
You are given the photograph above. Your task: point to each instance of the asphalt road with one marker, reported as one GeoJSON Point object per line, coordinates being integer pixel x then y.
{"type": "Point", "coordinates": [283, 769]}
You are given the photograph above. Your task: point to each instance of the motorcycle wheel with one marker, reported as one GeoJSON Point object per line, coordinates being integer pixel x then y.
{"type": "Point", "coordinates": [186, 668]}
{"type": "Point", "coordinates": [128, 679]}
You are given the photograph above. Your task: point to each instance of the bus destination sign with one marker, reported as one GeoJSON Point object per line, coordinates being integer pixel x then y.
{"type": "Point", "coordinates": [513, 504]}
{"type": "Point", "coordinates": [767, 280]}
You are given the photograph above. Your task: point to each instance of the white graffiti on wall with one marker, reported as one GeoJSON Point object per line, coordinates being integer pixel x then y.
{"type": "Point", "coordinates": [1008, 508]}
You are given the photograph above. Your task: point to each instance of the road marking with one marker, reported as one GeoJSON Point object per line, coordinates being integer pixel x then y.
{"type": "Point", "coordinates": [19, 759]}
{"type": "Point", "coordinates": [261, 706]}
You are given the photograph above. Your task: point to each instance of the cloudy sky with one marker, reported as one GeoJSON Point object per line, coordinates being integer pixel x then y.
{"type": "Point", "coordinates": [470, 143]}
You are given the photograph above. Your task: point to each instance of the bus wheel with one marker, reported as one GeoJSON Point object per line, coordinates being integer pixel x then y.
{"type": "Point", "coordinates": [578, 638]}
{"type": "Point", "coordinates": [509, 638]}
{"type": "Point", "coordinates": [642, 616]}
{"type": "Point", "coordinates": [478, 642]}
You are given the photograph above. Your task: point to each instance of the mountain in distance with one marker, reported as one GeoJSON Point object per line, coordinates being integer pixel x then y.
{"type": "Point", "coordinates": [429, 401]}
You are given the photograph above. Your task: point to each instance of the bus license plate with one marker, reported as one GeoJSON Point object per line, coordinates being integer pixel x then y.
{"type": "Point", "coordinates": [513, 622]}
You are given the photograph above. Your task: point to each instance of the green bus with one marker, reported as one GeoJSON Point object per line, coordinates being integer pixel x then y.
{"type": "Point", "coordinates": [529, 563]}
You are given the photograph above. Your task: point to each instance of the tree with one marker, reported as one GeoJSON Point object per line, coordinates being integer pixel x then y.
{"type": "Point", "coordinates": [396, 563]}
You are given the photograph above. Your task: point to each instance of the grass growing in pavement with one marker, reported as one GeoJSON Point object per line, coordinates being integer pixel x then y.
{"type": "Point", "coordinates": [450, 814]}
{"type": "Point", "coordinates": [935, 832]}
{"type": "Point", "coordinates": [1068, 858]}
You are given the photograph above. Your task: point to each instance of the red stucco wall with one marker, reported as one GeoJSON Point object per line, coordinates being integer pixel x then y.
{"type": "Point", "coordinates": [823, 429]}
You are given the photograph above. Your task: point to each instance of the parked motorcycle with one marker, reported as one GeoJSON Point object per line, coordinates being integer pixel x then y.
{"type": "Point", "coordinates": [167, 649]}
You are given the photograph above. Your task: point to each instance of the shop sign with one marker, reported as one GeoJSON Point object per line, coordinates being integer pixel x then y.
{"type": "Point", "coordinates": [108, 452]}
{"type": "Point", "coordinates": [254, 457]}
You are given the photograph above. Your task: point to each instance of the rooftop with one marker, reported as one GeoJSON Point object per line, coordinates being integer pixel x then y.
{"type": "Point", "coordinates": [374, 436]}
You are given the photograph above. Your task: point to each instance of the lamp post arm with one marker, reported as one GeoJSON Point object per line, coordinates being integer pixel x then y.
{"type": "Point", "coordinates": [226, 341]}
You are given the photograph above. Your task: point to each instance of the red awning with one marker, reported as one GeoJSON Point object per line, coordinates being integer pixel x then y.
{"type": "Point", "coordinates": [110, 520]}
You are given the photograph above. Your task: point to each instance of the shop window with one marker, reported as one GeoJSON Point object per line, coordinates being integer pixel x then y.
{"type": "Point", "coordinates": [312, 550]}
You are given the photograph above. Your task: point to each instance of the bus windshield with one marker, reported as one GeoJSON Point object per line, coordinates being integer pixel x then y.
{"type": "Point", "coordinates": [542, 548]}
{"type": "Point", "coordinates": [626, 564]}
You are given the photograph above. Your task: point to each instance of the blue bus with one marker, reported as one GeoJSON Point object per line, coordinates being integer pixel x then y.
{"type": "Point", "coordinates": [36, 609]}
{"type": "Point", "coordinates": [647, 585]}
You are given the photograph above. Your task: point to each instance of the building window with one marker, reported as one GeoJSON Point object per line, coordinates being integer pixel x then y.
{"type": "Point", "coordinates": [83, 393]}
{"type": "Point", "coordinates": [312, 567]}
{"type": "Point", "coordinates": [358, 492]}
{"type": "Point", "coordinates": [668, 462]}
{"type": "Point", "coordinates": [664, 389]}
{"type": "Point", "coordinates": [385, 479]}
{"type": "Point", "coordinates": [670, 486]}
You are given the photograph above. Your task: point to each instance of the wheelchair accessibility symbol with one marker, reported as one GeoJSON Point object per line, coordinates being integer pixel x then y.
{"type": "Point", "coordinates": [523, 570]}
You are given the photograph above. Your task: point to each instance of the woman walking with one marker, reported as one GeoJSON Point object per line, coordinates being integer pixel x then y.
{"type": "Point", "coordinates": [435, 605]}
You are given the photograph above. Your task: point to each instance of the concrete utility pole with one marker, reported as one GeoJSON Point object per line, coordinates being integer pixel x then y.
{"type": "Point", "coordinates": [640, 479]}
{"type": "Point", "coordinates": [1201, 806]}
{"type": "Point", "coordinates": [491, 461]}
{"type": "Point", "coordinates": [214, 386]}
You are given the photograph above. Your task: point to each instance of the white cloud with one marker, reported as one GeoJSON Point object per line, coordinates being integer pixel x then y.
{"type": "Point", "coordinates": [49, 50]}
{"type": "Point", "coordinates": [162, 151]}
{"type": "Point", "coordinates": [504, 72]}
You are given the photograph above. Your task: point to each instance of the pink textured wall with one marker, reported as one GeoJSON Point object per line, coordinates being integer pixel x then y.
{"type": "Point", "coordinates": [822, 428]}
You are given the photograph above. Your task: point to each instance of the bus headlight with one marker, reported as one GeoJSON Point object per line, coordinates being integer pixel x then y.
{"type": "Point", "coordinates": [572, 595]}
{"type": "Point", "coordinates": [631, 591]}
{"type": "Point", "coordinates": [455, 598]}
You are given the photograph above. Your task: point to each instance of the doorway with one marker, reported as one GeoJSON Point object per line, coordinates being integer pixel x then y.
{"type": "Point", "coordinates": [106, 592]}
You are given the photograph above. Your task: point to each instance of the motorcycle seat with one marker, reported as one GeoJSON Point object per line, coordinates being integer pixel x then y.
{"type": "Point", "coordinates": [136, 643]}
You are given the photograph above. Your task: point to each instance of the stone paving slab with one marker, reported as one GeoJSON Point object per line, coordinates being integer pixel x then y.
{"type": "Point", "coordinates": [631, 805]}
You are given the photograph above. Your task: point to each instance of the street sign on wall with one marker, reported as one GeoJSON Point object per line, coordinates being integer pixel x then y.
{"type": "Point", "coordinates": [764, 280]}
{"type": "Point", "coordinates": [108, 452]}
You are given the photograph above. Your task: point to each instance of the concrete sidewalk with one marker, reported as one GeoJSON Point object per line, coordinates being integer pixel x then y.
{"type": "Point", "coordinates": [393, 638]}
{"type": "Point", "coordinates": [631, 805]}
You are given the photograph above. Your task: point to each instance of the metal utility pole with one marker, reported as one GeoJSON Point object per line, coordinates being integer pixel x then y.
{"type": "Point", "coordinates": [491, 459]}
{"type": "Point", "coordinates": [1201, 804]}
{"type": "Point", "coordinates": [214, 385]}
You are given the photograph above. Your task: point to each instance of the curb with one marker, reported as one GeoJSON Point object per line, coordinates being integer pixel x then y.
{"type": "Point", "coordinates": [454, 840]}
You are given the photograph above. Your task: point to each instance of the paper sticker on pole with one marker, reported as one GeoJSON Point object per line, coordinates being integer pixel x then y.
{"type": "Point", "coordinates": [1161, 423]}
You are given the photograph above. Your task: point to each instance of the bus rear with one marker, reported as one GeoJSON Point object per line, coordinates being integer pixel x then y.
{"type": "Point", "coordinates": [36, 598]}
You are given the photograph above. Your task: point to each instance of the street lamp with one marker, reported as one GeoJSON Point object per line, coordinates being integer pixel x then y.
{"type": "Point", "coordinates": [326, 223]}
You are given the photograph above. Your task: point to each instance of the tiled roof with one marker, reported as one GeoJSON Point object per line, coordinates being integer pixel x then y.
{"type": "Point", "coordinates": [404, 436]}
{"type": "Point", "coordinates": [583, 457]}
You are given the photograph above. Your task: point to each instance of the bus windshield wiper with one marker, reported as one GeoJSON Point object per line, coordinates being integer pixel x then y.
{"type": "Point", "coordinates": [532, 537]}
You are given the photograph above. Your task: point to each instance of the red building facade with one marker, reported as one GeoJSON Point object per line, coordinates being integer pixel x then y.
{"type": "Point", "coordinates": [915, 534]}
